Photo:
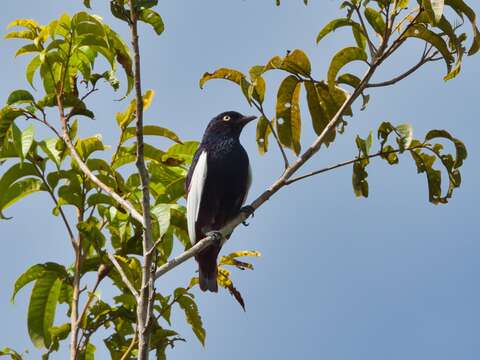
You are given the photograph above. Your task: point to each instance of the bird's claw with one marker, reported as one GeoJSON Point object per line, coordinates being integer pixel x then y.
{"type": "Point", "coordinates": [250, 211]}
{"type": "Point", "coordinates": [216, 236]}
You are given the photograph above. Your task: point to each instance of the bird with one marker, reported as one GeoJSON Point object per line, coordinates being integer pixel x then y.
{"type": "Point", "coordinates": [217, 186]}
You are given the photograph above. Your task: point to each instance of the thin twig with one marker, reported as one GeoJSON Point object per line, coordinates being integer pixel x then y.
{"type": "Point", "coordinates": [372, 48]}
{"type": "Point", "coordinates": [123, 275]}
{"type": "Point", "coordinates": [55, 200]}
{"type": "Point", "coordinates": [345, 163]}
{"type": "Point", "coordinates": [134, 341]}
{"type": "Point", "coordinates": [398, 78]}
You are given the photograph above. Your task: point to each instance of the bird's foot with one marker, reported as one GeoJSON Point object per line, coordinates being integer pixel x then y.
{"type": "Point", "coordinates": [250, 211]}
{"type": "Point", "coordinates": [216, 236]}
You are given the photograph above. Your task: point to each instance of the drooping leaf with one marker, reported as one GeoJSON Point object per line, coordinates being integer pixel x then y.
{"type": "Point", "coordinates": [151, 17]}
{"type": "Point", "coordinates": [342, 58]}
{"type": "Point", "coordinates": [7, 116]}
{"type": "Point", "coordinates": [262, 133]}
{"type": "Point", "coordinates": [20, 97]}
{"type": "Point", "coordinates": [421, 32]}
{"type": "Point", "coordinates": [376, 20]}
{"type": "Point", "coordinates": [222, 73]}
{"type": "Point", "coordinates": [192, 315]}
{"type": "Point", "coordinates": [42, 308]}
{"type": "Point", "coordinates": [288, 113]}
{"type": "Point", "coordinates": [342, 22]}
{"type": "Point", "coordinates": [36, 272]}
{"type": "Point", "coordinates": [462, 8]}
{"type": "Point", "coordinates": [19, 190]}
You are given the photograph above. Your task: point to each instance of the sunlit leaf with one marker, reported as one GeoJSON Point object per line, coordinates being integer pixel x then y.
{"type": "Point", "coordinates": [264, 129]}
{"type": "Point", "coordinates": [288, 113]}
{"type": "Point", "coordinates": [42, 308]}
{"type": "Point", "coordinates": [153, 18]}
{"type": "Point", "coordinates": [342, 58]}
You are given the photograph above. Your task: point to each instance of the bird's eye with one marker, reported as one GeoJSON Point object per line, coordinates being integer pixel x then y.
{"type": "Point", "coordinates": [226, 118]}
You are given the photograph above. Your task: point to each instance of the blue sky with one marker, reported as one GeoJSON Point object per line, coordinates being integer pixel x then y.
{"type": "Point", "coordinates": [388, 277]}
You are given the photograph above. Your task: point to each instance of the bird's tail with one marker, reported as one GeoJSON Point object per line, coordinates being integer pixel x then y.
{"type": "Point", "coordinates": [208, 280]}
{"type": "Point", "coordinates": [207, 268]}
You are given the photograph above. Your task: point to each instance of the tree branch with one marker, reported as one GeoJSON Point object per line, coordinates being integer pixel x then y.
{"type": "Point", "coordinates": [398, 78]}
{"type": "Point", "coordinates": [147, 291]}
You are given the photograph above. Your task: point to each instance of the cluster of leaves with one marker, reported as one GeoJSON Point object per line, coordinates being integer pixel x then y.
{"type": "Point", "coordinates": [397, 20]}
{"type": "Point", "coordinates": [424, 153]}
{"type": "Point", "coordinates": [64, 54]}
{"type": "Point", "coordinates": [146, 14]}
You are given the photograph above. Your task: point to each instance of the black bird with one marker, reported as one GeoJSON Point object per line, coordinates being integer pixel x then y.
{"type": "Point", "coordinates": [217, 185]}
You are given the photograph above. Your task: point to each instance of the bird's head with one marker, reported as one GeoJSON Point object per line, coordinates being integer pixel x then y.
{"type": "Point", "coordinates": [229, 123]}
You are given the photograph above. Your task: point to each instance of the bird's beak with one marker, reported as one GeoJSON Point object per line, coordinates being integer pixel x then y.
{"type": "Point", "coordinates": [246, 119]}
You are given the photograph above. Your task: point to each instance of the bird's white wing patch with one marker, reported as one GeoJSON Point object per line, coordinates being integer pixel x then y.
{"type": "Point", "coordinates": [249, 183]}
{"type": "Point", "coordinates": [195, 194]}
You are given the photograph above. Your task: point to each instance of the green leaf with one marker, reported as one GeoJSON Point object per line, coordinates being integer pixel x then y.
{"type": "Point", "coordinates": [405, 133]}
{"type": "Point", "coordinates": [12, 353]}
{"type": "Point", "coordinates": [19, 190]}
{"type": "Point", "coordinates": [86, 146]}
{"type": "Point", "coordinates": [20, 97]}
{"type": "Point", "coordinates": [342, 22]}
{"type": "Point", "coordinates": [36, 272]}
{"type": "Point", "coordinates": [152, 130]}
{"type": "Point", "coordinates": [359, 179]}
{"type": "Point", "coordinates": [153, 18]}
{"type": "Point", "coordinates": [297, 62]}
{"type": "Point", "coordinates": [14, 173]}
{"type": "Point", "coordinates": [161, 213]}
{"type": "Point", "coordinates": [32, 68]}
{"type": "Point", "coordinates": [461, 150]}
{"type": "Point", "coordinates": [23, 140]}
{"type": "Point", "coordinates": [49, 147]}
{"type": "Point", "coordinates": [462, 8]}
{"type": "Point", "coordinates": [264, 129]}
{"type": "Point", "coordinates": [42, 308]}
{"type": "Point", "coordinates": [421, 32]}
{"type": "Point", "coordinates": [192, 315]}
{"type": "Point", "coordinates": [375, 19]}
{"type": "Point", "coordinates": [342, 58]}
{"type": "Point", "coordinates": [318, 113]}
{"type": "Point", "coordinates": [288, 113]}
{"type": "Point", "coordinates": [222, 73]}
{"type": "Point", "coordinates": [87, 4]}
{"type": "Point", "coordinates": [7, 116]}
{"type": "Point", "coordinates": [425, 163]}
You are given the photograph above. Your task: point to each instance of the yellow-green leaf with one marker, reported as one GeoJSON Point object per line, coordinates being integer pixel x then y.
{"type": "Point", "coordinates": [375, 19]}
{"type": "Point", "coordinates": [288, 113]}
{"type": "Point", "coordinates": [342, 58]}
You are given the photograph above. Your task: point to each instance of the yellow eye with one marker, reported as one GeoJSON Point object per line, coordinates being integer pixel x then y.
{"type": "Point", "coordinates": [226, 118]}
